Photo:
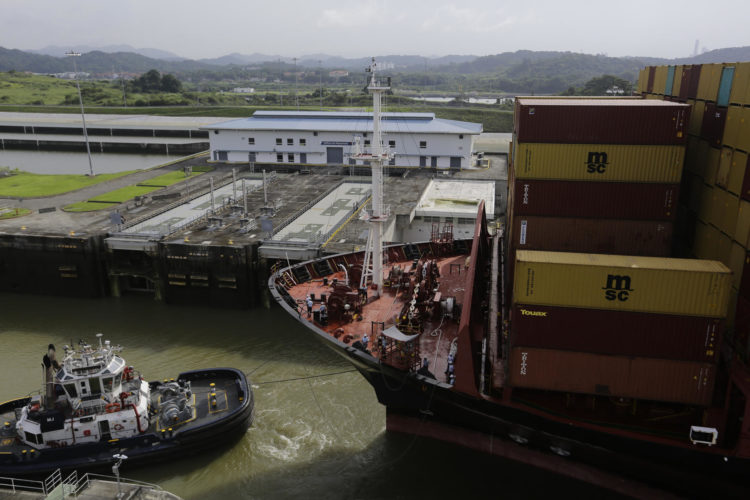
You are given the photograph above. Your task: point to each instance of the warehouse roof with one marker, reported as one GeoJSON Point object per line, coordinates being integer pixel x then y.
{"type": "Point", "coordinates": [347, 121]}
{"type": "Point", "coordinates": [594, 101]}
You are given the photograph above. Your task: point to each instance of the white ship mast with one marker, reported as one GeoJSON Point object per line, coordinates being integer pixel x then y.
{"type": "Point", "coordinates": [377, 155]}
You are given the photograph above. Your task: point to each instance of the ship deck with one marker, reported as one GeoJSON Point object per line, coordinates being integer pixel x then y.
{"type": "Point", "coordinates": [438, 330]}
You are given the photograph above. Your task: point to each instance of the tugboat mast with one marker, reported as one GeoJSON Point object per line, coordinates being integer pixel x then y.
{"type": "Point", "coordinates": [376, 156]}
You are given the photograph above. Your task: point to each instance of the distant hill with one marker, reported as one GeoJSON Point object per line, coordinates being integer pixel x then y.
{"type": "Point", "coordinates": [730, 54]}
{"type": "Point", "coordinates": [58, 51]}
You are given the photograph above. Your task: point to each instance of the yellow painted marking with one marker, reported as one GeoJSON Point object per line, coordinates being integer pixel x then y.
{"type": "Point", "coordinates": [218, 396]}
{"type": "Point", "coordinates": [114, 440]}
{"type": "Point", "coordinates": [7, 441]}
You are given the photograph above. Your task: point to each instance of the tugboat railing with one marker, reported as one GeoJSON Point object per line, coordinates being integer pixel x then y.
{"type": "Point", "coordinates": [86, 479]}
{"type": "Point", "coordinates": [15, 485]}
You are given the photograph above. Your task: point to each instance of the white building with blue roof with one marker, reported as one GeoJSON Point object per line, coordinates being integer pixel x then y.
{"type": "Point", "coordinates": [329, 138]}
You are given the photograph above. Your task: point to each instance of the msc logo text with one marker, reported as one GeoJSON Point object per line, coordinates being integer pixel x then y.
{"type": "Point", "coordinates": [596, 163]}
{"type": "Point", "coordinates": [617, 288]}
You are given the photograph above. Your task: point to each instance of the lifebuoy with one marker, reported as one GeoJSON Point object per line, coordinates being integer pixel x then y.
{"type": "Point", "coordinates": [112, 407]}
{"type": "Point", "coordinates": [118, 427]}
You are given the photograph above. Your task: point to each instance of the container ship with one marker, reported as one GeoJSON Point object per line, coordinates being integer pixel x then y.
{"type": "Point", "coordinates": [600, 333]}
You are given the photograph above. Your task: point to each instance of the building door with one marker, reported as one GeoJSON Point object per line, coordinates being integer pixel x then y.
{"type": "Point", "coordinates": [456, 162]}
{"type": "Point", "coordinates": [335, 155]}
{"type": "Point", "coordinates": [251, 157]}
{"type": "Point", "coordinates": [303, 157]}
{"type": "Point", "coordinates": [433, 161]}
{"type": "Point", "coordinates": [104, 434]}
{"type": "Point", "coordinates": [422, 161]}
{"type": "Point", "coordinates": [222, 155]}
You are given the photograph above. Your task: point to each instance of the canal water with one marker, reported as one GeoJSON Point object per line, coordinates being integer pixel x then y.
{"type": "Point", "coordinates": [56, 162]}
{"type": "Point", "coordinates": [319, 431]}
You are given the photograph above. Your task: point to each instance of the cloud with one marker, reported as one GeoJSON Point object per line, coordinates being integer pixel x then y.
{"type": "Point", "coordinates": [452, 19]}
{"type": "Point", "coordinates": [352, 16]}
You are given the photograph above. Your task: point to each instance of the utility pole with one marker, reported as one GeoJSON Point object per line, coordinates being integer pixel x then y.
{"type": "Point", "coordinates": [296, 99]}
{"type": "Point", "coordinates": [83, 116]}
{"type": "Point", "coordinates": [320, 65]}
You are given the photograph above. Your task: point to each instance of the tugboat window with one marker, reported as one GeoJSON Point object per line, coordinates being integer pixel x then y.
{"type": "Point", "coordinates": [107, 384]}
{"type": "Point", "coordinates": [96, 387]}
{"type": "Point", "coordinates": [71, 390]}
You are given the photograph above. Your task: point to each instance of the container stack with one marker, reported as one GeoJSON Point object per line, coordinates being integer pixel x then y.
{"type": "Point", "coordinates": [597, 307]}
{"type": "Point", "coordinates": [595, 175]}
{"type": "Point", "coordinates": [714, 209]}
{"type": "Point", "coordinates": [612, 325]}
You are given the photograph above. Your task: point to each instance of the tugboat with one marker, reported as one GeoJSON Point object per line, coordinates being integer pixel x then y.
{"type": "Point", "coordinates": [94, 405]}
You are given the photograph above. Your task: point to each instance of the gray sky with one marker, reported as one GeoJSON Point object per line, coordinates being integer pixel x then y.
{"type": "Point", "coordinates": [351, 28]}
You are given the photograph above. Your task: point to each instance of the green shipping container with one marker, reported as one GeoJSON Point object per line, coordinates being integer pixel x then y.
{"type": "Point", "coordinates": [625, 283]}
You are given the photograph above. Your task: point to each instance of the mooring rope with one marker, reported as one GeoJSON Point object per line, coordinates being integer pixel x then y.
{"type": "Point", "coordinates": [305, 378]}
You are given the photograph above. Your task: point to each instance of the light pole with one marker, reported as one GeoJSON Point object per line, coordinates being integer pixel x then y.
{"type": "Point", "coordinates": [83, 116]}
{"type": "Point", "coordinates": [116, 469]}
{"type": "Point", "coordinates": [296, 99]}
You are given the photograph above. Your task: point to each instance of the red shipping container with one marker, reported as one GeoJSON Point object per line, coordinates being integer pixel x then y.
{"type": "Point", "coordinates": [607, 200]}
{"type": "Point", "coordinates": [562, 234]}
{"type": "Point", "coordinates": [714, 119]}
{"type": "Point", "coordinates": [653, 379]}
{"type": "Point", "coordinates": [690, 78]}
{"type": "Point", "coordinates": [666, 336]}
{"type": "Point", "coordinates": [601, 121]}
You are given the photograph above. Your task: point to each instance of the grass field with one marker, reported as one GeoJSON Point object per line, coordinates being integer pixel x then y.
{"type": "Point", "coordinates": [12, 213]}
{"type": "Point", "coordinates": [28, 185]}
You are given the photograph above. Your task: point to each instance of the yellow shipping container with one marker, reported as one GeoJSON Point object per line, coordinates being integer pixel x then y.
{"type": "Point", "coordinates": [732, 126]}
{"type": "Point", "coordinates": [737, 172]}
{"type": "Point", "coordinates": [741, 85]}
{"type": "Point", "coordinates": [599, 162]}
{"type": "Point", "coordinates": [625, 283]}
{"type": "Point", "coordinates": [743, 135]}
{"type": "Point", "coordinates": [711, 244]}
{"type": "Point", "coordinates": [676, 84]}
{"type": "Point", "coordinates": [708, 85]}
{"type": "Point", "coordinates": [725, 164]}
{"type": "Point", "coordinates": [696, 117]}
{"type": "Point", "coordinates": [727, 209]}
{"type": "Point", "coordinates": [737, 263]}
{"type": "Point", "coordinates": [660, 79]}
{"type": "Point", "coordinates": [642, 79]}
{"type": "Point", "coordinates": [712, 165]}
{"type": "Point", "coordinates": [742, 230]}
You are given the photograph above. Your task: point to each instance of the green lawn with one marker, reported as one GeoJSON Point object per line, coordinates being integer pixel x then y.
{"type": "Point", "coordinates": [28, 185]}
{"type": "Point", "coordinates": [12, 213]}
{"type": "Point", "coordinates": [87, 206]}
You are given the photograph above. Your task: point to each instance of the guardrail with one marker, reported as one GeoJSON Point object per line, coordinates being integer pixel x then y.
{"type": "Point", "coordinates": [23, 485]}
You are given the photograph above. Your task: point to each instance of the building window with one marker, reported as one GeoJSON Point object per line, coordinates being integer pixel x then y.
{"type": "Point", "coordinates": [422, 144]}
{"type": "Point", "coordinates": [460, 136]}
{"type": "Point", "coordinates": [392, 144]}
{"type": "Point", "coordinates": [290, 142]}
{"type": "Point", "coordinates": [290, 157]}
{"type": "Point", "coordinates": [279, 158]}
{"type": "Point", "coordinates": [303, 142]}
{"type": "Point", "coordinates": [315, 134]}
{"type": "Point", "coordinates": [251, 140]}
{"type": "Point", "coordinates": [367, 142]}
{"type": "Point", "coordinates": [392, 161]}
{"type": "Point", "coordinates": [278, 141]}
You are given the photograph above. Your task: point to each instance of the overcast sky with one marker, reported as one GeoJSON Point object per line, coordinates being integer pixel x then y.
{"type": "Point", "coordinates": [354, 28]}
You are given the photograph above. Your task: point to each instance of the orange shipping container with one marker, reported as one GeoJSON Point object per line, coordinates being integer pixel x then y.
{"type": "Point", "coordinates": [655, 379]}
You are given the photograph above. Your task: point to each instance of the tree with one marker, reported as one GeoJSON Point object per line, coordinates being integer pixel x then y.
{"type": "Point", "coordinates": [170, 84]}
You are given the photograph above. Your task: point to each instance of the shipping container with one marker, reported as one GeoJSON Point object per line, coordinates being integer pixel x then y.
{"type": "Point", "coordinates": [609, 200]}
{"type": "Point", "coordinates": [650, 79]}
{"type": "Point", "coordinates": [723, 210]}
{"type": "Point", "coordinates": [725, 164]}
{"type": "Point", "coordinates": [669, 82]}
{"type": "Point", "coordinates": [741, 85]}
{"type": "Point", "coordinates": [711, 244]}
{"type": "Point", "coordinates": [642, 80]}
{"type": "Point", "coordinates": [688, 382]}
{"type": "Point", "coordinates": [601, 121]}
{"type": "Point", "coordinates": [737, 258]}
{"type": "Point", "coordinates": [711, 157]}
{"type": "Point", "coordinates": [677, 85]}
{"type": "Point", "coordinates": [667, 336]}
{"type": "Point", "coordinates": [712, 128]}
{"type": "Point", "coordinates": [696, 117]}
{"type": "Point", "coordinates": [725, 86]}
{"type": "Point", "coordinates": [708, 84]}
{"type": "Point", "coordinates": [599, 162]}
{"type": "Point", "coordinates": [562, 234]}
{"type": "Point", "coordinates": [690, 80]}
{"type": "Point", "coordinates": [732, 126]}
{"type": "Point", "coordinates": [660, 80]}
{"type": "Point", "coordinates": [737, 171]}
{"type": "Point", "coordinates": [742, 230]}
{"type": "Point", "coordinates": [622, 283]}
{"type": "Point", "coordinates": [743, 137]}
